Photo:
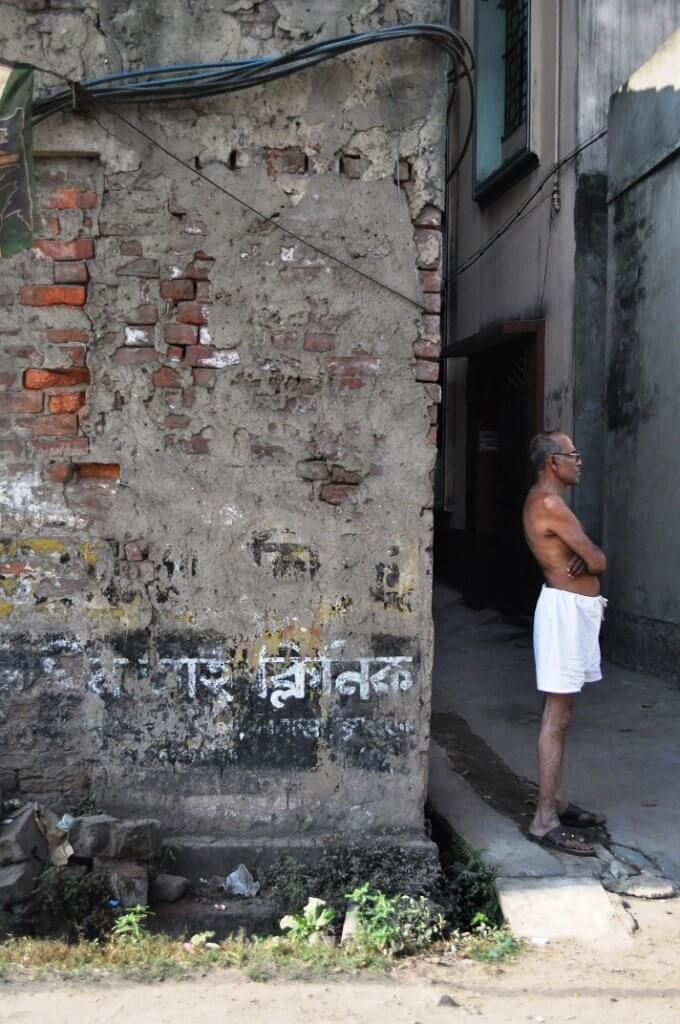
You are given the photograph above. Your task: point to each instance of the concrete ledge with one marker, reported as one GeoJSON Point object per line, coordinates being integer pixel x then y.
{"type": "Point", "coordinates": [562, 908]}
{"type": "Point", "coordinates": [198, 857]}
{"type": "Point", "coordinates": [500, 842]}
{"type": "Point", "coordinates": [256, 916]}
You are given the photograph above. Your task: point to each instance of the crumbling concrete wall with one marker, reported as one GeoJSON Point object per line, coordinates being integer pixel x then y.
{"type": "Point", "coordinates": [643, 368]}
{"type": "Point", "coordinates": [218, 444]}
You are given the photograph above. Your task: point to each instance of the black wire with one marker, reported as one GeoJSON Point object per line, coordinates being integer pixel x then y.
{"type": "Point", "coordinates": [234, 75]}
{"type": "Point", "coordinates": [471, 260]}
{"type": "Point", "coordinates": [262, 216]}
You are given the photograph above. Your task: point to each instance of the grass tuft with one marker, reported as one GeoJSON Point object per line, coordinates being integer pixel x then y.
{"type": "Point", "coordinates": [155, 957]}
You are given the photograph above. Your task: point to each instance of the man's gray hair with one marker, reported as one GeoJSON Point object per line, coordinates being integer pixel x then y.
{"type": "Point", "coordinates": [542, 447]}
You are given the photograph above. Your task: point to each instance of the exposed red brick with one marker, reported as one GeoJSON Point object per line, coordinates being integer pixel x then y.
{"type": "Point", "coordinates": [77, 354]}
{"type": "Point", "coordinates": [188, 397]}
{"type": "Point", "coordinates": [427, 371]}
{"type": "Point", "coordinates": [60, 472]}
{"type": "Point", "coordinates": [70, 273]}
{"type": "Point", "coordinates": [49, 225]}
{"type": "Point", "coordinates": [6, 380]}
{"type": "Point", "coordinates": [166, 378]}
{"type": "Point", "coordinates": [434, 392]}
{"type": "Point", "coordinates": [204, 378]}
{"type": "Point", "coordinates": [428, 246]}
{"type": "Point", "coordinates": [98, 470]}
{"type": "Point", "coordinates": [79, 249]}
{"type": "Point", "coordinates": [175, 353]}
{"type": "Point", "coordinates": [200, 267]}
{"type": "Point", "coordinates": [426, 349]}
{"type": "Point", "coordinates": [203, 291]}
{"type": "Point", "coordinates": [431, 326]}
{"type": "Point", "coordinates": [335, 494]}
{"type": "Point", "coordinates": [193, 313]}
{"type": "Point", "coordinates": [432, 301]}
{"type": "Point", "coordinates": [192, 225]}
{"type": "Point", "coordinates": [430, 280]}
{"type": "Point", "coordinates": [139, 337]}
{"type": "Point", "coordinates": [433, 413]}
{"type": "Point", "coordinates": [55, 426]}
{"type": "Point", "coordinates": [53, 295]}
{"type": "Point", "coordinates": [21, 401]}
{"type": "Point", "coordinates": [71, 199]}
{"type": "Point", "coordinates": [312, 469]}
{"type": "Point", "coordinates": [429, 217]}
{"type": "Point", "coordinates": [135, 356]}
{"type": "Point", "coordinates": [214, 358]}
{"type": "Point", "coordinates": [133, 552]}
{"type": "Point", "coordinates": [141, 267]}
{"type": "Point", "coordinates": [196, 445]}
{"type": "Point", "coordinates": [352, 366]}
{"type": "Point", "coordinates": [66, 403]}
{"type": "Point", "coordinates": [178, 290]}
{"type": "Point", "coordinates": [68, 334]}
{"type": "Point", "coordinates": [35, 379]}
{"type": "Point", "coordinates": [132, 247]}
{"type": "Point", "coordinates": [353, 383]}
{"type": "Point", "coordinates": [432, 436]}
{"type": "Point", "coordinates": [340, 475]}
{"type": "Point", "coordinates": [181, 334]}
{"type": "Point", "coordinates": [319, 342]}
{"type": "Point", "coordinates": [174, 422]}
{"type": "Point", "coordinates": [12, 568]}
{"type": "Point", "coordinates": [147, 313]}
{"type": "Point", "coordinates": [285, 161]}
{"type": "Point", "coordinates": [62, 445]}
{"type": "Point", "coordinates": [353, 166]}
{"type": "Point", "coordinates": [25, 353]}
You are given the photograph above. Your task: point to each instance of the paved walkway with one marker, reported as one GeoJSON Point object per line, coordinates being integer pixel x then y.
{"type": "Point", "coordinates": [623, 755]}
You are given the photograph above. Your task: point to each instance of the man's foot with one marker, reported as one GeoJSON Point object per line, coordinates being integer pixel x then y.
{"type": "Point", "coordinates": [576, 816]}
{"type": "Point", "coordinates": [565, 842]}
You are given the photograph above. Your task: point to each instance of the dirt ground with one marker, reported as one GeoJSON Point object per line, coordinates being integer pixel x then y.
{"type": "Point", "coordinates": [637, 982]}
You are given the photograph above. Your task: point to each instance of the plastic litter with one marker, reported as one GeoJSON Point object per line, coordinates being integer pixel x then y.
{"type": "Point", "coordinates": [65, 822]}
{"type": "Point", "coordinates": [241, 883]}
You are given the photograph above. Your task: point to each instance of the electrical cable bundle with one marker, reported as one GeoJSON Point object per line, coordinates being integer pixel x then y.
{"type": "Point", "coordinates": [194, 81]}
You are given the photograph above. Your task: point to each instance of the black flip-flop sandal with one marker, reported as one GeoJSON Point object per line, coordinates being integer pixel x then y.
{"type": "Point", "coordinates": [576, 816]}
{"type": "Point", "coordinates": [563, 842]}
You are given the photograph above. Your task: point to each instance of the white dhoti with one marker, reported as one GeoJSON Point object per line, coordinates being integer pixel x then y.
{"type": "Point", "coordinates": [567, 640]}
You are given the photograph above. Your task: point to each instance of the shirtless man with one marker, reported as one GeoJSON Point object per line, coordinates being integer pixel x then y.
{"type": "Point", "coordinates": [566, 629]}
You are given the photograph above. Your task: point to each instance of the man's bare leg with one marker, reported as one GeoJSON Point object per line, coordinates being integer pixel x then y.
{"type": "Point", "coordinates": [554, 725]}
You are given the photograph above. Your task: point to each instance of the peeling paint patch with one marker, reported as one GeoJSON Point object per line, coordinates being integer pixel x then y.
{"type": "Point", "coordinates": [284, 558]}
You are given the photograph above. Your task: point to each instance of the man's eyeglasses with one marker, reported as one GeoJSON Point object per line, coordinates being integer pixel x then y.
{"type": "Point", "coordinates": [570, 455]}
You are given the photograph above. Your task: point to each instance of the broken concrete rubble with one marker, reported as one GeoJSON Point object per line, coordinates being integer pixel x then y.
{"type": "Point", "coordinates": [23, 855]}
{"type": "Point", "coordinates": [100, 835]}
{"type": "Point", "coordinates": [645, 887]}
{"type": "Point", "coordinates": [21, 839]}
{"type": "Point", "coordinates": [17, 882]}
{"type": "Point", "coordinates": [129, 881]}
{"type": "Point", "coordinates": [90, 836]}
{"type": "Point", "coordinates": [168, 888]}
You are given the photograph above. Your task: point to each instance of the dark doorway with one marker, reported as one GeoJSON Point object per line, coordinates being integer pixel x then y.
{"type": "Point", "coordinates": [488, 559]}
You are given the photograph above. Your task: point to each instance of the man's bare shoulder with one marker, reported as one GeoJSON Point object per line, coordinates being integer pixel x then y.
{"type": "Point", "coordinates": [539, 501]}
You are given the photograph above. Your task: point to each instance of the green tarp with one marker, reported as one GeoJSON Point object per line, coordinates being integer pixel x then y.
{"type": "Point", "coordinates": [16, 158]}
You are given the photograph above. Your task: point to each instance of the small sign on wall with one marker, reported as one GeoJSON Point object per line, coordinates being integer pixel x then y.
{"type": "Point", "coordinates": [489, 441]}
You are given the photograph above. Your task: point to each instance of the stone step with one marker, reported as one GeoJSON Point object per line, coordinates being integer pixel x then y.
{"type": "Point", "coordinates": [186, 917]}
{"type": "Point", "coordinates": [198, 857]}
